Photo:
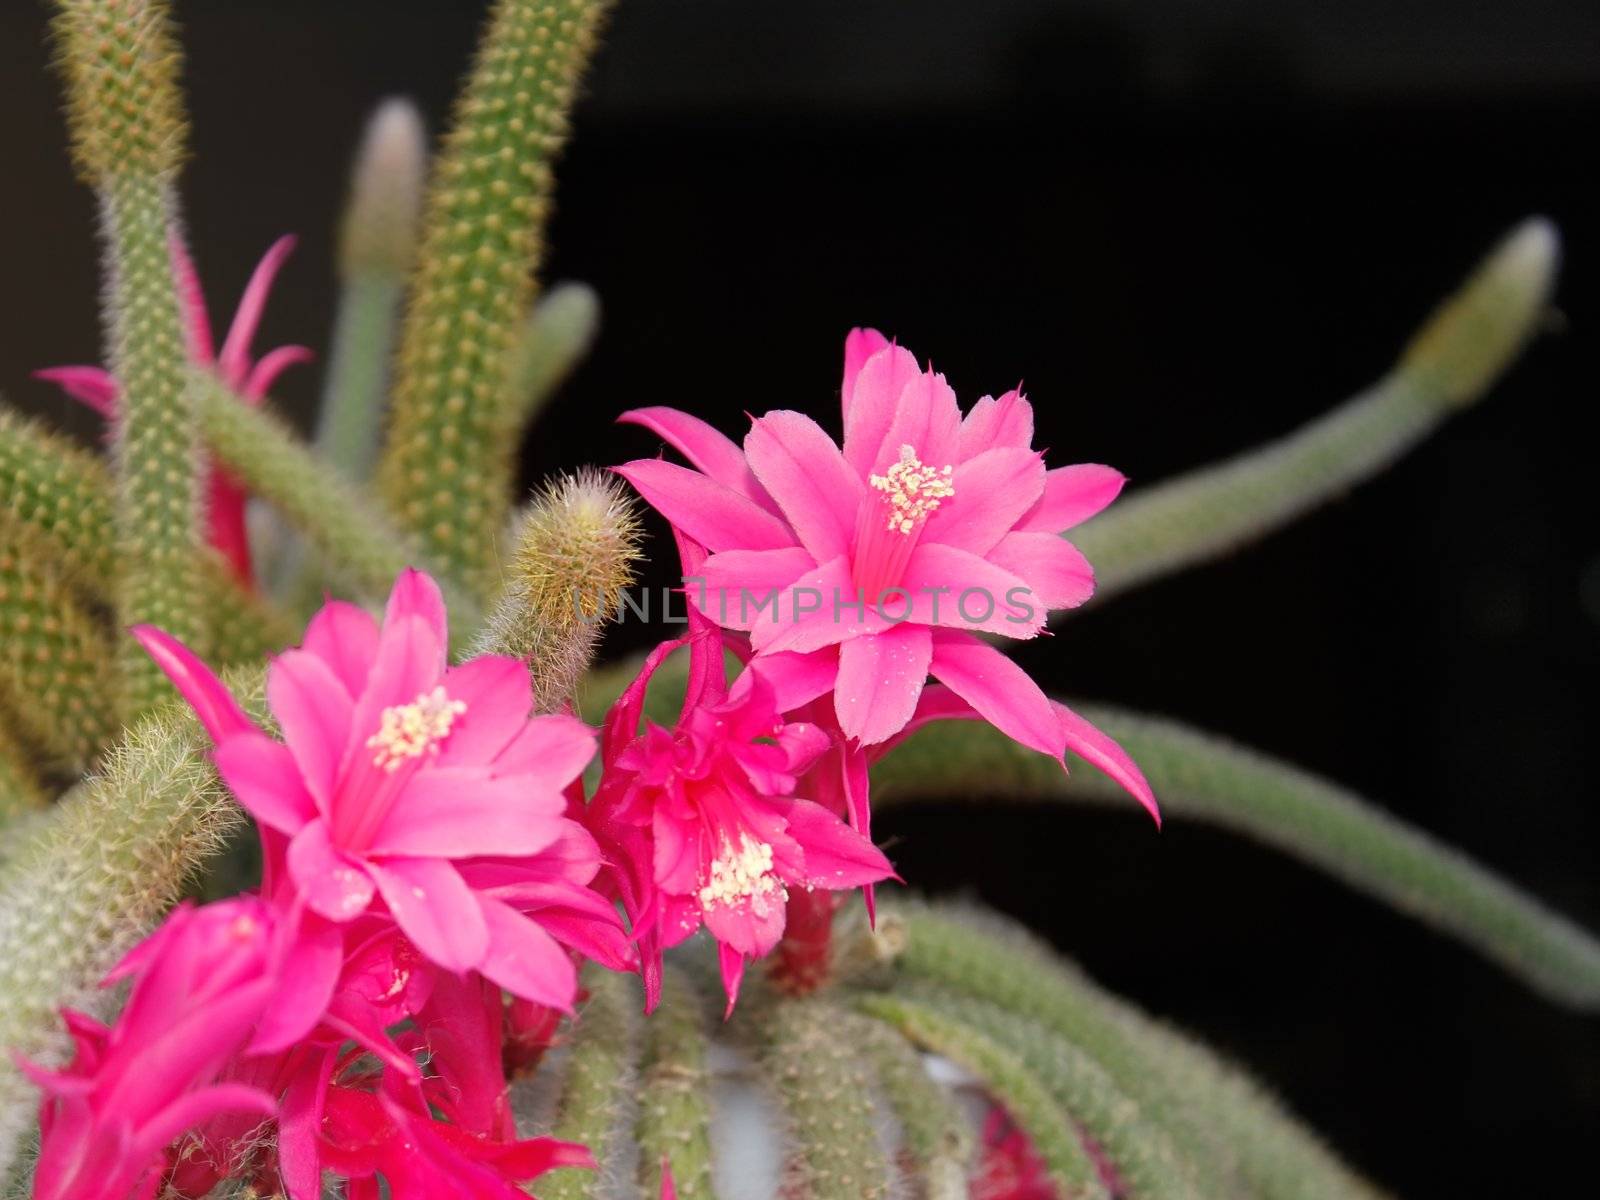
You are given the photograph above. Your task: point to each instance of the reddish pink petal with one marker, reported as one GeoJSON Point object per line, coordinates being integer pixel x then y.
{"type": "Point", "coordinates": [870, 403]}
{"type": "Point", "coordinates": [196, 322]}
{"type": "Point", "coordinates": [90, 386]}
{"type": "Point", "coordinates": [314, 710]}
{"type": "Point", "coordinates": [300, 1123]}
{"type": "Point", "coordinates": [498, 699]}
{"type": "Point", "coordinates": [731, 964]}
{"type": "Point", "coordinates": [798, 679]}
{"type": "Point", "coordinates": [234, 358]}
{"type": "Point", "coordinates": [836, 856]}
{"type": "Point", "coordinates": [333, 883]}
{"type": "Point", "coordinates": [972, 593]}
{"type": "Point", "coordinates": [435, 909]}
{"type": "Point", "coordinates": [459, 812]}
{"type": "Point", "coordinates": [306, 980]}
{"type": "Point", "coordinates": [346, 638]}
{"type": "Point", "coordinates": [741, 589]}
{"type": "Point", "coordinates": [219, 713]}
{"type": "Point", "coordinates": [717, 517]}
{"type": "Point", "coordinates": [1007, 421]}
{"type": "Point", "coordinates": [1002, 692]}
{"type": "Point", "coordinates": [804, 472]}
{"type": "Point", "coordinates": [415, 594]}
{"type": "Point", "coordinates": [262, 775]}
{"type": "Point", "coordinates": [272, 364]}
{"type": "Point", "coordinates": [926, 418]}
{"type": "Point", "coordinates": [993, 491]}
{"type": "Point", "coordinates": [196, 1107]}
{"type": "Point", "coordinates": [524, 959]}
{"type": "Point", "coordinates": [704, 447]}
{"type": "Point", "coordinates": [859, 345]}
{"type": "Point", "coordinates": [880, 677]}
{"type": "Point", "coordinates": [1099, 750]}
{"type": "Point", "coordinates": [1072, 495]}
{"type": "Point", "coordinates": [1055, 569]}
{"type": "Point", "coordinates": [818, 610]}
{"type": "Point", "coordinates": [551, 751]}
{"type": "Point", "coordinates": [751, 926]}
{"type": "Point", "coordinates": [225, 524]}
{"type": "Point", "coordinates": [669, 1190]}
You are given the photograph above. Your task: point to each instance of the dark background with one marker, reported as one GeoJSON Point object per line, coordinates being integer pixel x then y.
{"type": "Point", "coordinates": [1189, 228]}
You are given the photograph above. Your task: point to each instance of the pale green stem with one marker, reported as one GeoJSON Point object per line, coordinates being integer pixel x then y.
{"type": "Point", "coordinates": [936, 1134]}
{"type": "Point", "coordinates": [554, 339]}
{"type": "Point", "coordinates": [674, 1122]}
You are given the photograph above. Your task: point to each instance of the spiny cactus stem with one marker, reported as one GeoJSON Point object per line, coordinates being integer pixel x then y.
{"type": "Point", "coordinates": [802, 962]}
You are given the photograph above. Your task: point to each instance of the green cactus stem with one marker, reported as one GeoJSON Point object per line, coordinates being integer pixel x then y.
{"type": "Point", "coordinates": [120, 64]}
{"type": "Point", "coordinates": [1464, 347]}
{"type": "Point", "coordinates": [442, 470]}
{"type": "Point", "coordinates": [553, 341]}
{"type": "Point", "coordinates": [58, 494]}
{"type": "Point", "coordinates": [674, 1122]}
{"type": "Point", "coordinates": [935, 1133]}
{"type": "Point", "coordinates": [1201, 777]}
{"type": "Point", "coordinates": [21, 790]}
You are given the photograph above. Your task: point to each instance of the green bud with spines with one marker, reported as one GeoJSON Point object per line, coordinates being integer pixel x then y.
{"type": "Point", "coordinates": [482, 244]}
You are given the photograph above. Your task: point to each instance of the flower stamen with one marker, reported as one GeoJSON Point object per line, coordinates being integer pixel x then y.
{"type": "Point", "coordinates": [912, 490]}
{"type": "Point", "coordinates": [743, 874]}
{"type": "Point", "coordinates": [408, 731]}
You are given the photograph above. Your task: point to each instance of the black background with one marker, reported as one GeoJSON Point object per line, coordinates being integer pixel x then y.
{"type": "Point", "coordinates": [1188, 228]}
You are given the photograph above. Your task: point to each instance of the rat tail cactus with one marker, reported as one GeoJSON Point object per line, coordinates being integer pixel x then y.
{"type": "Point", "coordinates": [333, 864]}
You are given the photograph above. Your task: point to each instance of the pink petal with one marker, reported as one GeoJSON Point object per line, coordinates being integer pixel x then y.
{"type": "Point", "coordinates": [346, 638]}
{"type": "Point", "coordinates": [196, 322]}
{"type": "Point", "coordinates": [314, 710]}
{"type": "Point", "coordinates": [740, 589]}
{"type": "Point", "coordinates": [300, 1124]}
{"type": "Point", "coordinates": [498, 697]}
{"type": "Point", "coordinates": [194, 1109]}
{"type": "Point", "coordinates": [731, 963]}
{"type": "Point", "coordinates": [880, 677]}
{"type": "Point", "coordinates": [706, 448]}
{"type": "Point", "coordinates": [798, 679]}
{"type": "Point", "coordinates": [752, 927]}
{"type": "Point", "coordinates": [306, 980]}
{"type": "Point", "coordinates": [804, 472]}
{"type": "Point", "coordinates": [524, 959]}
{"type": "Point", "coordinates": [219, 713]}
{"type": "Point", "coordinates": [551, 751]}
{"type": "Point", "coordinates": [581, 918]}
{"type": "Point", "coordinates": [1071, 496]}
{"type": "Point", "coordinates": [415, 594]}
{"type": "Point", "coordinates": [717, 517]}
{"type": "Point", "coordinates": [233, 360]}
{"type": "Point", "coordinates": [262, 775]}
{"type": "Point", "coordinates": [827, 596]}
{"type": "Point", "coordinates": [1002, 692]}
{"type": "Point", "coordinates": [435, 909]}
{"type": "Point", "coordinates": [1099, 750]}
{"type": "Point", "coordinates": [836, 855]}
{"type": "Point", "coordinates": [972, 593]}
{"type": "Point", "coordinates": [859, 345]}
{"type": "Point", "coordinates": [1055, 569]}
{"type": "Point", "coordinates": [458, 812]}
{"type": "Point", "coordinates": [333, 883]}
{"type": "Point", "coordinates": [1007, 421]}
{"type": "Point", "coordinates": [870, 401]}
{"type": "Point", "coordinates": [272, 364]}
{"type": "Point", "coordinates": [993, 490]}
{"type": "Point", "coordinates": [90, 386]}
{"type": "Point", "coordinates": [926, 418]}
{"type": "Point", "coordinates": [410, 663]}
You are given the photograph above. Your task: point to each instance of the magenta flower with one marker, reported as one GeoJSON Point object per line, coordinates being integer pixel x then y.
{"type": "Point", "coordinates": [422, 792]}
{"type": "Point", "coordinates": [200, 984]}
{"type": "Point", "coordinates": [701, 823]}
{"type": "Point", "coordinates": [863, 571]}
{"type": "Point", "coordinates": [251, 380]}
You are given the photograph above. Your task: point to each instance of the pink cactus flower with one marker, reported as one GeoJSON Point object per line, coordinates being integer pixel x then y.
{"type": "Point", "coordinates": [251, 380]}
{"type": "Point", "coordinates": [200, 984]}
{"type": "Point", "coordinates": [701, 823]}
{"type": "Point", "coordinates": [862, 571]}
{"type": "Point", "coordinates": [422, 792]}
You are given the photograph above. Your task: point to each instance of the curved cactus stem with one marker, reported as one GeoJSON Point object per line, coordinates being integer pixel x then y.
{"type": "Point", "coordinates": [597, 1099]}
{"type": "Point", "coordinates": [1009, 1078]}
{"type": "Point", "coordinates": [936, 1134]}
{"type": "Point", "coordinates": [674, 1123]}
{"type": "Point", "coordinates": [21, 790]}
{"type": "Point", "coordinates": [825, 1088]}
{"type": "Point", "coordinates": [576, 547]}
{"type": "Point", "coordinates": [94, 879]}
{"type": "Point", "coordinates": [58, 494]}
{"type": "Point", "coordinates": [1462, 349]}
{"type": "Point", "coordinates": [53, 662]}
{"type": "Point", "coordinates": [1146, 1163]}
{"type": "Point", "coordinates": [552, 341]}
{"type": "Point", "coordinates": [1238, 1140]}
{"type": "Point", "coordinates": [445, 469]}
{"type": "Point", "coordinates": [333, 513]}
{"type": "Point", "coordinates": [1201, 777]}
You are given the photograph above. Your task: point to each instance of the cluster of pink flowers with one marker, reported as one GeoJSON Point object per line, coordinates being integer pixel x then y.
{"type": "Point", "coordinates": [428, 849]}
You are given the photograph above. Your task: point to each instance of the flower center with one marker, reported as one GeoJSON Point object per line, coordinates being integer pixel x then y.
{"type": "Point", "coordinates": [408, 731]}
{"type": "Point", "coordinates": [743, 874]}
{"type": "Point", "coordinates": [912, 490]}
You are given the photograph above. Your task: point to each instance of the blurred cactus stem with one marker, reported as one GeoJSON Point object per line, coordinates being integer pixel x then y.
{"type": "Point", "coordinates": [59, 495]}
{"type": "Point", "coordinates": [377, 246]}
{"type": "Point", "coordinates": [482, 244]}
{"type": "Point", "coordinates": [21, 790]}
{"type": "Point", "coordinates": [120, 62]}
{"type": "Point", "coordinates": [1204, 778]}
{"type": "Point", "coordinates": [674, 1124]}
{"type": "Point", "coordinates": [554, 340]}
{"type": "Point", "coordinates": [1460, 352]}
{"type": "Point", "coordinates": [576, 548]}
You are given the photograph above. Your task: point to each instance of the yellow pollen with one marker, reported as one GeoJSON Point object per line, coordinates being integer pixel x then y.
{"type": "Point", "coordinates": [412, 730]}
{"type": "Point", "coordinates": [743, 874]}
{"type": "Point", "coordinates": [912, 490]}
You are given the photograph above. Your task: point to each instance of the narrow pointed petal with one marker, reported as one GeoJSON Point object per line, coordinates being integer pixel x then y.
{"type": "Point", "coordinates": [196, 321]}
{"type": "Point", "coordinates": [860, 344]}
{"type": "Point", "coordinates": [993, 491]}
{"type": "Point", "coordinates": [1100, 750]}
{"type": "Point", "coordinates": [415, 594]}
{"type": "Point", "coordinates": [716, 516]}
{"type": "Point", "coordinates": [741, 589]}
{"type": "Point", "coordinates": [1002, 692]}
{"type": "Point", "coordinates": [869, 405]}
{"type": "Point", "coordinates": [802, 469]}
{"type": "Point", "coordinates": [435, 909]}
{"type": "Point", "coordinates": [271, 365]}
{"type": "Point", "coordinates": [333, 883]}
{"type": "Point", "coordinates": [926, 418]}
{"type": "Point", "coordinates": [731, 964]}
{"type": "Point", "coordinates": [307, 978]}
{"type": "Point", "coordinates": [1055, 569]}
{"type": "Point", "coordinates": [219, 713]}
{"type": "Point", "coordinates": [233, 360]}
{"type": "Point", "coordinates": [195, 1108]}
{"type": "Point", "coordinates": [524, 959]}
{"type": "Point", "coordinates": [315, 711]}
{"type": "Point", "coordinates": [90, 386]}
{"type": "Point", "coordinates": [798, 679]}
{"type": "Point", "coordinates": [1072, 495]}
{"type": "Point", "coordinates": [1007, 421]}
{"type": "Point", "coordinates": [706, 448]}
{"type": "Point", "coordinates": [880, 677]}
{"type": "Point", "coordinates": [346, 638]}
{"type": "Point", "coordinates": [263, 777]}
{"type": "Point", "coordinates": [836, 856]}
{"type": "Point", "coordinates": [300, 1123]}
{"type": "Point", "coordinates": [974, 593]}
